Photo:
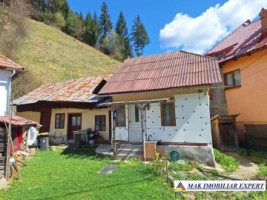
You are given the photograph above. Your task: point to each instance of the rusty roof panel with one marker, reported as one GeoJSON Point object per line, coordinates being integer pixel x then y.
{"type": "Point", "coordinates": [245, 39]}
{"type": "Point", "coordinates": [7, 63]}
{"type": "Point", "coordinates": [170, 70]}
{"type": "Point", "coordinates": [78, 90]}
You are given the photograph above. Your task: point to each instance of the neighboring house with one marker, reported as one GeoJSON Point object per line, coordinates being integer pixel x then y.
{"type": "Point", "coordinates": [65, 107]}
{"type": "Point", "coordinates": [164, 98]}
{"type": "Point", "coordinates": [242, 58]}
{"type": "Point", "coordinates": [8, 70]}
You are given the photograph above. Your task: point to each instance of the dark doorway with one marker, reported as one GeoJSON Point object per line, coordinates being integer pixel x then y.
{"type": "Point", "coordinates": [74, 124]}
{"type": "Point", "coordinates": [45, 121]}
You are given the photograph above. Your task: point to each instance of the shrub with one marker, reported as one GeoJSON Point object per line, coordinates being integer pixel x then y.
{"type": "Point", "coordinates": [228, 163]}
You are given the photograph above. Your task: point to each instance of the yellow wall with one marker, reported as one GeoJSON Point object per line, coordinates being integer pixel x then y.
{"type": "Point", "coordinates": [250, 99]}
{"type": "Point", "coordinates": [88, 121]}
{"type": "Point", "coordinates": [35, 116]}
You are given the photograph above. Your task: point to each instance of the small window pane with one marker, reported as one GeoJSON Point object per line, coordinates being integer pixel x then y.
{"type": "Point", "coordinates": [229, 80]}
{"type": "Point", "coordinates": [136, 114]}
{"type": "Point", "coordinates": [237, 78]}
{"type": "Point", "coordinates": [78, 121]}
{"type": "Point", "coordinates": [100, 123]}
{"type": "Point", "coordinates": [73, 121]}
{"type": "Point", "coordinates": [168, 114]}
{"type": "Point", "coordinates": [120, 117]}
{"type": "Point", "coordinates": [59, 120]}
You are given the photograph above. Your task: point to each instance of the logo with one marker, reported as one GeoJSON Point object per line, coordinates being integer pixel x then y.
{"type": "Point", "coordinates": [179, 187]}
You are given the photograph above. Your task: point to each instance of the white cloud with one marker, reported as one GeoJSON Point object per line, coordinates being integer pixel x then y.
{"type": "Point", "coordinates": [201, 33]}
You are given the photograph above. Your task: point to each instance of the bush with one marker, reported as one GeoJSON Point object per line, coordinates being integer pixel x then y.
{"type": "Point", "coordinates": [59, 20]}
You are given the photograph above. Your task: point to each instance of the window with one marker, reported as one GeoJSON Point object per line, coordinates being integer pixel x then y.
{"type": "Point", "coordinates": [100, 122]}
{"type": "Point", "coordinates": [168, 114]}
{"type": "Point", "coordinates": [232, 79]}
{"type": "Point", "coordinates": [136, 114]}
{"type": "Point", "coordinates": [120, 116]}
{"type": "Point", "coordinates": [60, 120]}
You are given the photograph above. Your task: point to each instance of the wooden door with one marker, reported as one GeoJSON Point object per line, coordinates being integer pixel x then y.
{"type": "Point", "coordinates": [74, 124]}
{"type": "Point", "coordinates": [45, 121]}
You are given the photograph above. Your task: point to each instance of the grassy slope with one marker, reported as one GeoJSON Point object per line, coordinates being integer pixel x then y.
{"type": "Point", "coordinates": [51, 56]}
{"type": "Point", "coordinates": [74, 175]}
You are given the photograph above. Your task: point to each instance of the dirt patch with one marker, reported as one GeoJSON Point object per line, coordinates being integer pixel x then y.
{"type": "Point", "coordinates": [246, 170]}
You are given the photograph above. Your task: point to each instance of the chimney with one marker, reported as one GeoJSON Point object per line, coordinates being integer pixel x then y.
{"type": "Point", "coordinates": [263, 15]}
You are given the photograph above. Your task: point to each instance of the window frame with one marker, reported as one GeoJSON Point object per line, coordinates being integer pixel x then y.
{"type": "Point", "coordinates": [61, 123]}
{"type": "Point", "coordinates": [101, 125]}
{"type": "Point", "coordinates": [172, 114]}
{"type": "Point", "coordinates": [232, 73]}
{"type": "Point", "coordinates": [116, 121]}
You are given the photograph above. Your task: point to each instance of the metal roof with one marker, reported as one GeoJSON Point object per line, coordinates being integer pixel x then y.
{"type": "Point", "coordinates": [78, 90]}
{"type": "Point", "coordinates": [158, 72]}
{"type": "Point", "coordinates": [18, 121]}
{"type": "Point", "coordinates": [245, 39]}
{"type": "Point", "coordinates": [7, 63]}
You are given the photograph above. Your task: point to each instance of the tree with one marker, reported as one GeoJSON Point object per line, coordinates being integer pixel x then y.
{"type": "Point", "coordinates": [122, 31]}
{"type": "Point", "coordinates": [106, 24]}
{"type": "Point", "coordinates": [112, 46]}
{"type": "Point", "coordinates": [92, 29]}
{"type": "Point", "coordinates": [72, 23]}
{"type": "Point", "coordinates": [139, 36]}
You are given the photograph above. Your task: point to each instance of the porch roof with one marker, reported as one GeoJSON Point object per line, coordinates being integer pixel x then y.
{"type": "Point", "coordinates": [133, 102]}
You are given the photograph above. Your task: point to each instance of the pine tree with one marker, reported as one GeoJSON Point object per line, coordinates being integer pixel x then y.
{"type": "Point", "coordinates": [92, 29]}
{"type": "Point", "coordinates": [106, 24]}
{"type": "Point", "coordinates": [122, 32]}
{"type": "Point", "coordinates": [139, 36]}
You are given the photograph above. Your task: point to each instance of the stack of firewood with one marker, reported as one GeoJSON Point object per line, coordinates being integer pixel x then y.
{"type": "Point", "coordinates": [16, 161]}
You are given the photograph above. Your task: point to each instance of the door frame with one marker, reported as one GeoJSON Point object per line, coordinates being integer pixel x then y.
{"type": "Point", "coordinates": [69, 124]}
{"type": "Point", "coordinates": [129, 123]}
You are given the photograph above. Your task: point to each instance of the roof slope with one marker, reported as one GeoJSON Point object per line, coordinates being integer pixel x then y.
{"type": "Point", "coordinates": [17, 121]}
{"type": "Point", "coordinates": [170, 70]}
{"type": "Point", "coordinates": [7, 63]}
{"type": "Point", "coordinates": [245, 39]}
{"type": "Point", "coordinates": [78, 90]}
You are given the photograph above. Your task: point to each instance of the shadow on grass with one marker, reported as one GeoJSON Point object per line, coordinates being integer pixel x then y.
{"type": "Point", "coordinates": [98, 189]}
{"type": "Point", "coordinates": [87, 152]}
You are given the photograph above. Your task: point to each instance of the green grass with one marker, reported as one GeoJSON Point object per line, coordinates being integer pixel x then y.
{"type": "Point", "coordinates": [74, 175]}
{"type": "Point", "coordinates": [50, 56]}
{"type": "Point", "coordinates": [228, 163]}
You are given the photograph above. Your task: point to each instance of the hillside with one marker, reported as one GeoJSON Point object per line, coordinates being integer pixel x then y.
{"type": "Point", "coordinates": [49, 55]}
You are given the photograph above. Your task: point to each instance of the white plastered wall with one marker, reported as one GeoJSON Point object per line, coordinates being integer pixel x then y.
{"type": "Point", "coordinates": [4, 91]}
{"type": "Point", "coordinates": [192, 120]}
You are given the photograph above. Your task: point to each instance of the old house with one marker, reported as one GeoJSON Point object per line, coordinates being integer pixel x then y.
{"type": "Point", "coordinates": [65, 107]}
{"type": "Point", "coordinates": [164, 98]}
{"type": "Point", "coordinates": [242, 57]}
{"type": "Point", "coordinates": [8, 71]}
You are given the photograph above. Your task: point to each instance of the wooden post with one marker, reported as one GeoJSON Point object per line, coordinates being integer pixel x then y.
{"type": "Point", "coordinates": [114, 133]}
{"type": "Point", "coordinates": [143, 132]}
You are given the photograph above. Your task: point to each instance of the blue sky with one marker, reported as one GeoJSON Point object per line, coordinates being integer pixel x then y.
{"type": "Point", "coordinates": [191, 25]}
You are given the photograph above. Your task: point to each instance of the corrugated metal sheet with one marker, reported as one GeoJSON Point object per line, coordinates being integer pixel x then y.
{"type": "Point", "coordinates": [170, 70]}
{"type": "Point", "coordinates": [6, 62]}
{"type": "Point", "coordinates": [17, 121]}
{"type": "Point", "coordinates": [245, 39]}
{"type": "Point", "coordinates": [78, 90]}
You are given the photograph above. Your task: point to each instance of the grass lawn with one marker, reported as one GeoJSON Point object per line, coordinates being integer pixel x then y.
{"type": "Point", "coordinates": [74, 175]}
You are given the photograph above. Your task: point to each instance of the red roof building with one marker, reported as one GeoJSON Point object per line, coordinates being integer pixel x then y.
{"type": "Point", "coordinates": [242, 57]}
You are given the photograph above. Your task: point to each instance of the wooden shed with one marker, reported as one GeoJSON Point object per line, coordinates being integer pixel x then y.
{"type": "Point", "coordinates": [224, 132]}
